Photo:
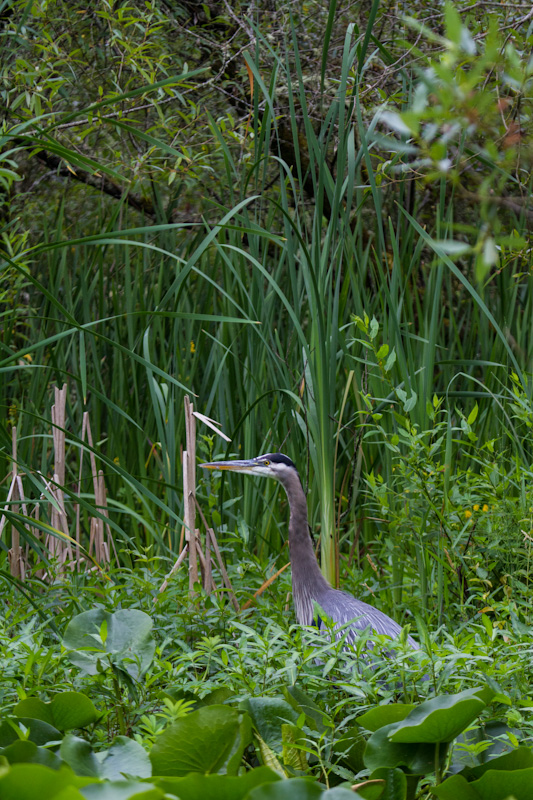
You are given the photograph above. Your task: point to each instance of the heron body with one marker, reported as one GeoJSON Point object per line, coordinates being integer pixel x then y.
{"type": "Point", "coordinates": [309, 587]}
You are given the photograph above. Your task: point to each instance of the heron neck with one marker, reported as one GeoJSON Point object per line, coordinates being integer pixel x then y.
{"type": "Point", "coordinates": [308, 583]}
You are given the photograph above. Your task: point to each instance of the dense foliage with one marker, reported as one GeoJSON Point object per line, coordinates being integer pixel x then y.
{"type": "Point", "coordinates": [313, 219]}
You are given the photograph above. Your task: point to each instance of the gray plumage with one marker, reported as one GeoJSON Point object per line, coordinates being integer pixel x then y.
{"type": "Point", "coordinates": [309, 587]}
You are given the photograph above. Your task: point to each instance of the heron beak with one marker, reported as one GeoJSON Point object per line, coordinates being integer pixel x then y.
{"type": "Point", "coordinates": [233, 466]}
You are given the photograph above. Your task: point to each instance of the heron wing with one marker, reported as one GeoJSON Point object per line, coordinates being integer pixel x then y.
{"type": "Point", "coordinates": [344, 609]}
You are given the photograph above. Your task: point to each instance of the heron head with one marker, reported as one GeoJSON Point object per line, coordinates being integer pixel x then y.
{"type": "Point", "coordinates": [271, 465]}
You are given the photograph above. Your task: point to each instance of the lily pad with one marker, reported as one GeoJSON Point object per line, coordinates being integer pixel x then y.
{"type": "Point", "coordinates": [38, 731]}
{"type": "Point", "coordinates": [211, 739]}
{"type": "Point", "coordinates": [66, 711]}
{"type": "Point", "coordinates": [440, 719]}
{"type": "Point", "coordinates": [268, 714]}
{"type": "Point", "coordinates": [384, 715]}
{"type": "Point", "coordinates": [224, 787]}
{"type": "Point", "coordinates": [97, 637]}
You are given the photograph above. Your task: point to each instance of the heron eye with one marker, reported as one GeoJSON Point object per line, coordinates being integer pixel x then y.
{"type": "Point", "coordinates": [266, 463]}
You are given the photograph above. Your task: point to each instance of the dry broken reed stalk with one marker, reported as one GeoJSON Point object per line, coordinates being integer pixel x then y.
{"type": "Point", "coordinates": [59, 543]}
{"type": "Point", "coordinates": [193, 542]}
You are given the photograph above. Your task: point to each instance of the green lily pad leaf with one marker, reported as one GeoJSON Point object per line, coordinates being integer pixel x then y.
{"type": "Point", "coordinates": [97, 636]}
{"type": "Point", "coordinates": [388, 784]}
{"type": "Point", "coordinates": [66, 711]}
{"type": "Point", "coordinates": [268, 714]}
{"type": "Point", "coordinates": [31, 781]}
{"type": "Point", "coordinates": [493, 785]}
{"type": "Point", "coordinates": [418, 757]}
{"type": "Point", "coordinates": [502, 784]}
{"type": "Point", "coordinates": [521, 758]}
{"type": "Point", "coordinates": [224, 787]}
{"type": "Point", "coordinates": [340, 793]}
{"type": "Point", "coordinates": [79, 755]}
{"type": "Point", "coordinates": [211, 739]}
{"type": "Point", "coordinates": [440, 719]}
{"type": "Point", "coordinates": [301, 789]}
{"type": "Point", "coordinates": [293, 789]}
{"type": "Point", "coordinates": [510, 775]}
{"type": "Point", "coordinates": [25, 752]}
{"type": "Point", "coordinates": [39, 732]}
{"type": "Point", "coordinates": [122, 790]}
{"type": "Point", "coordinates": [124, 757]}
{"type": "Point", "coordinates": [455, 787]}
{"type": "Point", "coordinates": [384, 715]}
{"type": "Point", "coordinates": [34, 708]}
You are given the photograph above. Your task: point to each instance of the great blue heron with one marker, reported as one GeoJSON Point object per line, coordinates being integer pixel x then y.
{"type": "Point", "coordinates": [309, 587]}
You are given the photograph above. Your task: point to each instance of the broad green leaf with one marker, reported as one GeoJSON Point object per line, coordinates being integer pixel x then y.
{"type": "Point", "coordinates": [380, 751]}
{"type": "Point", "coordinates": [39, 732]}
{"type": "Point", "coordinates": [454, 788]}
{"type": "Point", "coordinates": [294, 789]}
{"type": "Point", "coordinates": [79, 755]}
{"type": "Point", "coordinates": [211, 739]}
{"type": "Point", "coordinates": [493, 785]}
{"type": "Point", "coordinates": [128, 640]}
{"type": "Point", "coordinates": [384, 715]}
{"type": "Point", "coordinates": [394, 786]}
{"type": "Point", "coordinates": [27, 752]}
{"type": "Point", "coordinates": [521, 758]}
{"type": "Point", "coordinates": [440, 719]}
{"type": "Point", "coordinates": [125, 756]}
{"type": "Point", "coordinates": [268, 714]}
{"type": "Point", "coordinates": [36, 782]}
{"type": "Point", "coordinates": [500, 784]}
{"type": "Point", "coordinates": [473, 415]}
{"type": "Point", "coordinates": [224, 787]}
{"type": "Point", "coordinates": [122, 790]}
{"type": "Point", "coordinates": [341, 793]}
{"type": "Point", "coordinates": [66, 711]}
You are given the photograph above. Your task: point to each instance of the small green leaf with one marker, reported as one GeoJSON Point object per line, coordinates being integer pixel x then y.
{"type": "Point", "coordinates": [390, 361]}
{"type": "Point", "coordinates": [453, 23]}
{"type": "Point", "coordinates": [473, 415]}
{"type": "Point", "coordinates": [373, 329]}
